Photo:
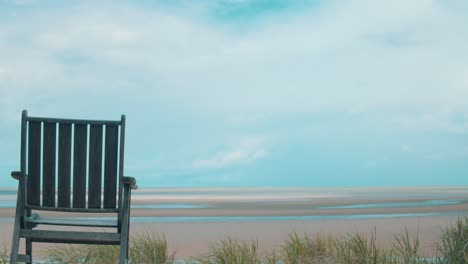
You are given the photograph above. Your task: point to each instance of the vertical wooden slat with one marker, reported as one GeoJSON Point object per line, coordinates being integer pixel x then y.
{"type": "Point", "coordinates": [121, 168]}
{"type": "Point", "coordinates": [24, 129]}
{"type": "Point", "coordinates": [64, 165]}
{"type": "Point", "coordinates": [110, 167]}
{"type": "Point", "coordinates": [79, 166]}
{"type": "Point", "coordinates": [95, 167]}
{"type": "Point", "coordinates": [34, 163]}
{"type": "Point", "coordinates": [23, 182]}
{"type": "Point", "coordinates": [48, 164]}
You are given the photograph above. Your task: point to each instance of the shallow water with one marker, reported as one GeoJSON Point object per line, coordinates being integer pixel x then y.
{"type": "Point", "coordinates": [190, 219]}
{"type": "Point", "coordinates": [390, 205]}
{"type": "Point", "coordinates": [171, 206]}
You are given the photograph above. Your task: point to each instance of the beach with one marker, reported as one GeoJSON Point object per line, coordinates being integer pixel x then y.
{"type": "Point", "coordinates": [193, 219]}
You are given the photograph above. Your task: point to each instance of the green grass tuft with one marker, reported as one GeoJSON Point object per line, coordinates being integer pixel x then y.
{"type": "Point", "coordinates": [150, 248]}
{"type": "Point", "coordinates": [4, 255]}
{"type": "Point", "coordinates": [305, 249]}
{"type": "Point", "coordinates": [406, 248]}
{"type": "Point", "coordinates": [230, 251]}
{"type": "Point", "coordinates": [453, 247]}
{"type": "Point", "coordinates": [357, 248]}
{"type": "Point", "coordinates": [273, 257]}
{"type": "Point", "coordinates": [144, 248]}
{"type": "Point", "coordinates": [68, 254]}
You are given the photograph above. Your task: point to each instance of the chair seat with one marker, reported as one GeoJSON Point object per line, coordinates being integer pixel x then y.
{"type": "Point", "coordinates": [36, 219]}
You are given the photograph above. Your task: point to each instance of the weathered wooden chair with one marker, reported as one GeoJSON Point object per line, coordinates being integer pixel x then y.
{"type": "Point", "coordinates": [65, 170]}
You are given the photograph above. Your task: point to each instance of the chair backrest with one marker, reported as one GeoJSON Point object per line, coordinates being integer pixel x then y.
{"type": "Point", "coordinates": [72, 165]}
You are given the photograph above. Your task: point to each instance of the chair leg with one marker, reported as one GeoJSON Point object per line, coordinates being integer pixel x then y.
{"type": "Point", "coordinates": [29, 250]}
{"type": "Point", "coordinates": [14, 255]}
{"type": "Point", "coordinates": [123, 253]}
{"type": "Point", "coordinates": [125, 226]}
{"type": "Point", "coordinates": [15, 246]}
{"type": "Point", "coordinates": [124, 243]}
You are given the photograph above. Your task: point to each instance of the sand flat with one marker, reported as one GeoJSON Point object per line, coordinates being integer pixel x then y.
{"type": "Point", "coordinates": [404, 207]}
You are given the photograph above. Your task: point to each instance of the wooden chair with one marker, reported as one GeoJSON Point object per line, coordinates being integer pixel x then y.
{"type": "Point", "coordinates": [72, 166]}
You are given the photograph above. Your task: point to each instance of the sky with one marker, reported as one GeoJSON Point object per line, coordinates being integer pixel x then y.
{"type": "Point", "coordinates": [249, 92]}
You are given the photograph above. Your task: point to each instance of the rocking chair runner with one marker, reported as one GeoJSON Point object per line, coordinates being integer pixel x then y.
{"type": "Point", "coordinates": [64, 170]}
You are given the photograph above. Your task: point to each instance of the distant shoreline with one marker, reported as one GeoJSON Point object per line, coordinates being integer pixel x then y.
{"type": "Point", "coordinates": [286, 201]}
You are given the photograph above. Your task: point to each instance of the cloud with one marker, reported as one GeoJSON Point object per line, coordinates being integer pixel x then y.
{"type": "Point", "coordinates": [406, 148]}
{"type": "Point", "coordinates": [229, 158]}
{"type": "Point", "coordinates": [370, 165]}
{"type": "Point", "coordinates": [339, 55]}
{"type": "Point", "coordinates": [248, 150]}
{"type": "Point", "coordinates": [449, 119]}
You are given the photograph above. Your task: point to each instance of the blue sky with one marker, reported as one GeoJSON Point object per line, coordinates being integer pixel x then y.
{"type": "Point", "coordinates": [249, 92]}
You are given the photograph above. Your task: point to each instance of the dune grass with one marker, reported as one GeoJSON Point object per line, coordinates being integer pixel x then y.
{"type": "Point", "coordinates": [144, 248]}
{"type": "Point", "coordinates": [229, 251]}
{"type": "Point", "coordinates": [354, 248]}
{"type": "Point", "coordinates": [4, 255]}
{"type": "Point", "coordinates": [150, 248]}
{"type": "Point", "coordinates": [453, 244]}
{"type": "Point", "coordinates": [305, 249]}
{"type": "Point", "coordinates": [406, 249]}
{"type": "Point", "coordinates": [358, 248]}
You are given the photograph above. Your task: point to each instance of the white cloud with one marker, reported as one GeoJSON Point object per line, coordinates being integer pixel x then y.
{"type": "Point", "coordinates": [434, 157]}
{"type": "Point", "coordinates": [446, 119]}
{"type": "Point", "coordinates": [370, 165]}
{"type": "Point", "coordinates": [378, 52]}
{"type": "Point", "coordinates": [248, 150]}
{"type": "Point", "coordinates": [406, 148]}
{"type": "Point", "coordinates": [259, 153]}
{"type": "Point", "coordinates": [360, 54]}
{"type": "Point", "coordinates": [229, 158]}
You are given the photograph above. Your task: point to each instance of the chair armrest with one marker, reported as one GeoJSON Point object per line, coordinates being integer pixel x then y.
{"type": "Point", "coordinates": [16, 175]}
{"type": "Point", "coordinates": [130, 181]}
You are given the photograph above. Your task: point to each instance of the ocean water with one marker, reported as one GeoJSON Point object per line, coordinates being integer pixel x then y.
{"type": "Point", "coordinates": [171, 206]}
{"type": "Point", "coordinates": [194, 219]}
{"type": "Point", "coordinates": [392, 205]}
{"type": "Point", "coordinates": [12, 204]}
